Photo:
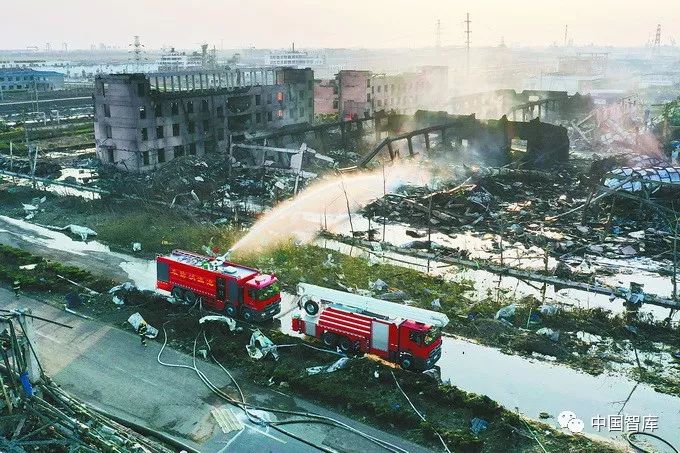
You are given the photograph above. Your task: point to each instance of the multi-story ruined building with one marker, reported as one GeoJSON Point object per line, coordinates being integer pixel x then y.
{"type": "Point", "coordinates": [360, 93]}
{"type": "Point", "coordinates": [145, 120]}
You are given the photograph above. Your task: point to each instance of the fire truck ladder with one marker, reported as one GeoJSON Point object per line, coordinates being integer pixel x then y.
{"type": "Point", "coordinates": [327, 296]}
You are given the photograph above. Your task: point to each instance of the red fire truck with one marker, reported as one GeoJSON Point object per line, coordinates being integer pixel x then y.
{"type": "Point", "coordinates": [409, 336]}
{"type": "Point", "coordinates": [223, 286]}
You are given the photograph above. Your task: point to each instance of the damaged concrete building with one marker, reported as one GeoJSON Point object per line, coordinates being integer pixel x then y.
{"type": "Point", "coordinates": [145, 120]}
{"type": "Point", "coordinates": [357, 94]}
{"type": "Point", "coordinates": [490, 142]}
{"type": "Point", "coordinates": [550, 106]}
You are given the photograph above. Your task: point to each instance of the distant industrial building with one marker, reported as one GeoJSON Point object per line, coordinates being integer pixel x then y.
{"type": "Point", "coordinates": [181, 61]}
{"type": "Point", "coordinates": [145, 120]}
{"type": "Point", "coordinates": [295, 58]}
{"type": "Point", "coordinates": [22, 63]}
{"type": "Point", "coordinates": [356, 94]}
{"type": "Point", "coordinates": [15, 79]}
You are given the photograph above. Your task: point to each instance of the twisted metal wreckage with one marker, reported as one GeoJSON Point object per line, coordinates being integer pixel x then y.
{"type": "Point", "coordinates": [650, 179]}
{"type": "Point", "coordinates": [35, 414]}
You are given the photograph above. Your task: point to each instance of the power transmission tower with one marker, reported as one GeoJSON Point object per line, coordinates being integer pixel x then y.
{"type": "Point", "coordinates": [657, 38]}
{"type": "Point", "coordinates": [566, 35]}
{"type": "Point", "coordinates": [438, 34]}
{"type": "Point", "coordinates": [137, 50]}
{"type": "Point", "coordinates": [467, 40]}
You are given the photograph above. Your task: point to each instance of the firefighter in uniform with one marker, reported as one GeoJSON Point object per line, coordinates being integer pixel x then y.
{"type": "Point", "coordinates": [141, 330]}
{"type": "Point", "coordinates": [16, 286]}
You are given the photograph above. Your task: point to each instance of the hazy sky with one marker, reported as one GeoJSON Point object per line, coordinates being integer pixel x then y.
{"type": "Point", "coordinates": [331, 23]}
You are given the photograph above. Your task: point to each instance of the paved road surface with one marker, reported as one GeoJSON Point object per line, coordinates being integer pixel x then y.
{"type": "Point", "coordinates": [108, 367]}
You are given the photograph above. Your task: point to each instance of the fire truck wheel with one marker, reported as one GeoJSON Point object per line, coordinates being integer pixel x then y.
{"type": "Point", "coordinates": [329, 339]}
{"type": "Point", "coordinates": [406, 361]}
{"type": "Point", "coordinates": [178, 293]}
{"type": "Point", "coordinates": [231, 310]}
{"type": "Point", "coordinates": [345, 344]}
{"type": "Point", "coordinates": [311, 307]}
{"type": "Point", "coordinates": [247, 315]}
{"type": "Point", "coordinates": [190, 296]}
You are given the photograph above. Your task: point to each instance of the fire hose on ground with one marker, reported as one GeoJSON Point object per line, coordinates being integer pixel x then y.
{"type": "Point", "coordinates": [308, 417]}
{"type": "Point", "coordinates": [630, 440]}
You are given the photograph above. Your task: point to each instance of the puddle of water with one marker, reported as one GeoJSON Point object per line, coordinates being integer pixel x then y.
{"type": "Point", "coordinates": [626, 271]}
{"type": "Point", "coordinates": [141, 272]}
{"type": "Point", "coordinates": [72, 153]}
{"type": "Point", "coordinates": [53, 239]}
{"type": "Point", "coordinates": [536, 386]}
{"type": "Point", "coordinates": [81, 175]}
{"type": "Point", "coordinates": [58, 190]}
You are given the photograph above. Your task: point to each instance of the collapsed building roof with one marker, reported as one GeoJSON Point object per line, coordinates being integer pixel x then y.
{"type": "Point", "coordinates": [635, 179]}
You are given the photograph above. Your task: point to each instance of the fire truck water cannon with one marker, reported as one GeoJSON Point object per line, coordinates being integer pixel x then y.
{"type": "Point", "coordinates": [220, 285]}
{"type": "Point", "coordinates": [409, 336]}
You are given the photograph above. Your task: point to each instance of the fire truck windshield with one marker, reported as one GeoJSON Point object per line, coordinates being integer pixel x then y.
{"type": "Point", "coordinates": [432, 334]}
{"type": "Point", "coordinates": [266, 293]}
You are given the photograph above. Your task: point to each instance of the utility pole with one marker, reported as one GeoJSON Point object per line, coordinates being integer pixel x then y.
{"type": "Point", "coordinates": [35, 89]}
{"type": "Point", "coordinates": [674, 280]}
{"type": "Point", "coordinates": [33, 162]}
{"type": "Point", "coordinates": [11, 159]}
{"type": "Point", "coordinates": [467, 40]}
{"type": "Point", "coordinates": [438, 34]}
{"type": "Point", "coordinates": [429, 231]}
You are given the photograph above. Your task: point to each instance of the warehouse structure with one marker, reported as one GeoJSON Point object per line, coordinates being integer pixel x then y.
{"type": "Point", "coordinates": [26, 79]}
{"type": "Point", "coordinates": [145, 120]}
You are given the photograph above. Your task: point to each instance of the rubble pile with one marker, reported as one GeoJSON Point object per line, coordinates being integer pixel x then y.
{"type": "Point", "coordinates": [527, 207]}
{"type": "Point", "coordinates": [57, 422]}
{"type": "Point", "coordinates": [43, 168]}
{"type": "Point", "coordinates": [613, 129]}
{"type": "Point", "coordinates": [194, 180]}
{"type": "Point", "coordinates": [36, 414]}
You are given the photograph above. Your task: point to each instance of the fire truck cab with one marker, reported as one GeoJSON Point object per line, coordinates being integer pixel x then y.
{"type": "Point", "coordinates": [223, 286]}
